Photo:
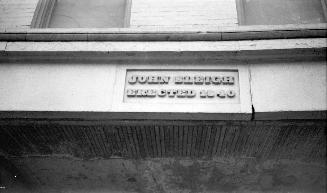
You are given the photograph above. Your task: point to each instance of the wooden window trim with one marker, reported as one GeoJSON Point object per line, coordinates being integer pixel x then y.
{"type": "Point", "coordinates": [324, 8]}
{"type": "Point", "coordinates": [240, 12]}
{"type": "Point", "coordinates": [128, 10]}
{"type": "Point", "coordinates": [45, 8]}
{"type": "Point", "coordinates": [43, 13]}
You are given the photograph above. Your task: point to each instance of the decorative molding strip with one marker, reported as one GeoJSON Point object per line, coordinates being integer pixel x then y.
{"type": "Point", "coordinates": [130, 34]}
{"type": "Point", "coordinates": [43, 12]}
{"type": "Point", "coordinates": [309, 49]}
{"type": "Point", "coordinates": [256, 55]}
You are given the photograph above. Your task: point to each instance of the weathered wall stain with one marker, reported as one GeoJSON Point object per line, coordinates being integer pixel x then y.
{"type": "Point", "coordinates": [170, 175]}
{"type": "Point", "coordinates": [169, 156]}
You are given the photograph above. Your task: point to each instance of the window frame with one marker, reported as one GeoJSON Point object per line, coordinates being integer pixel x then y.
{"type": "Point", "coordinates": [44, 10]}
{"type": "Point", "coordinates": [241, 11]}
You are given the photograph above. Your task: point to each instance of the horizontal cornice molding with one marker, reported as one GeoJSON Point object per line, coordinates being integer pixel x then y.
{"type": "Point", "coordinates": [196, 51]}
{"type": "Point", "coordinates": [167, 34]}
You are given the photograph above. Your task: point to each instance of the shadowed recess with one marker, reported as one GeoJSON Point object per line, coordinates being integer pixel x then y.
{"type": "Point", "coordinates": [295, 140]}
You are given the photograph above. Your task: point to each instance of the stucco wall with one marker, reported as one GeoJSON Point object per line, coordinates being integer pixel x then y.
{"type": "Point", "coordinates": [100, 88]}
{"type": "Point", "coordinates": [91, 75]}
{"type": "Point", "coordinates": [172, 175]}
{"type": "Point", "coordinates": [16, 13]}
{"type": "Point", "coordinates": [297, 86]}
{"type": "Point", "coordinates": [144, 13]}
{"type": "Point", "coordinates": [56, 87]}
{"type": "Point", "coordinates": [90, 87]}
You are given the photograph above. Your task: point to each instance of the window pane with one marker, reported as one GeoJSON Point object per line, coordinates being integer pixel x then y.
{"type": "Point", "coordinates": [88, 13]}
{"type": "Point", "coordinates": [265, 12]}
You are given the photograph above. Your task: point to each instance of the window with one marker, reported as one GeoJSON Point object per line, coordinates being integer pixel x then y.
{"type": "Point", "coordinates": [275, 12]}
{"type": "Point", "coordinates": [82, 14]}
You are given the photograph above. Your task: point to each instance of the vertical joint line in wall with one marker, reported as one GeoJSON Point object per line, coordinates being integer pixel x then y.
{"type": "Point", "coordinates": [251, 94]}
{"type": "Point", "coordinates": [115, 82]}
{"type": "Point", "coordinates": [5, 50]}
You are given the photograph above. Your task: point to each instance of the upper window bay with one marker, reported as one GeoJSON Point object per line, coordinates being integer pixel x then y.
{"type": "Point", "coordinates": [116, 13]}
{"type": "Point", "coordinates": [81, 14]}
{"type": "Point", "coordinates": [280, 12]}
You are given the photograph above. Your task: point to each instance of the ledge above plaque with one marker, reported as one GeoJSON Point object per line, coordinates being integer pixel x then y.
{"type": "Point", "coordinates": [182, 86]}
{"type": "Point", "coordinates": [218, 92]}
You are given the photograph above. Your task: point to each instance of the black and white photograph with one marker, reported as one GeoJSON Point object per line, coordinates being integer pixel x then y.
{"type": "Point", "coordinates": [163, 96]}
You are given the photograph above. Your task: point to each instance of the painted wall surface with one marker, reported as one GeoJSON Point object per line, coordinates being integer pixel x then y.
{"type": "Point", "coordinates": [17, 13]}
{"type": "Point", "coordinates": [56, 87]}
{"type": "Point", "coordinates": [178, 156]}
{"type": "Point", "coordinates": [289, 86]}
{"type": "Point", "coordinates": [90, 87]}
{"type": "Point", "coordinates": [100, 87]}
{"type": "Point", "coordinates": [144, 13]}
{"type": "Point", "coordinates": [183, 13]}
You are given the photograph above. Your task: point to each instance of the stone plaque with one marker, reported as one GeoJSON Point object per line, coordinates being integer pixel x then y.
{"type": "Point", "coordinates": [182, 86]}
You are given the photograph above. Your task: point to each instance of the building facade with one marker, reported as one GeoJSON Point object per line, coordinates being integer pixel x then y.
{"type": "Point", "coordinates": [163, 96]}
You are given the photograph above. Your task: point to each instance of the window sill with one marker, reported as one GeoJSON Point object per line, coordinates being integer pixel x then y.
{"type": "Point", "coordinates": [167, 34]}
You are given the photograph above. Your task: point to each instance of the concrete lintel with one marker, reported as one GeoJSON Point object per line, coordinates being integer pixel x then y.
{"type": "Point", "coordinates": [198, 46]}
{"type": "Point", "coordinates": [258, 50]}
{"type": "Point", "coordinates": [168, 30]}
{"type": "Point", "coordinates": [293, 90]}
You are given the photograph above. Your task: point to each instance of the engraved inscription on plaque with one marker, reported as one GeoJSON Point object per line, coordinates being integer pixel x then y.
{"type": "Point", "coordinates": [182, 86]}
